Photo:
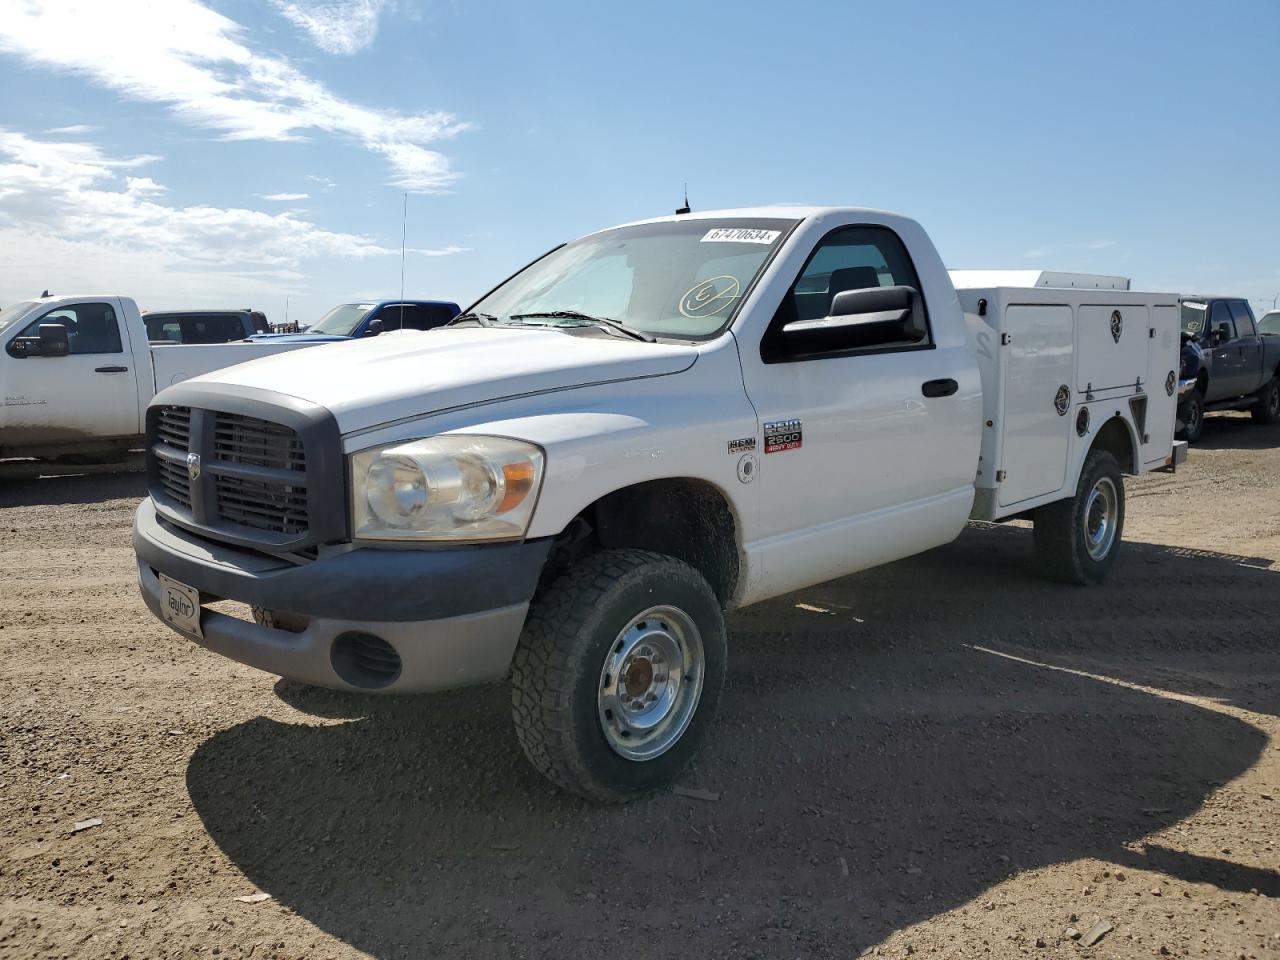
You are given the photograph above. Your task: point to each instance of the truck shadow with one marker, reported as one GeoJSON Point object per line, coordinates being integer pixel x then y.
{"type": "Point", "coordinates": [1236, 432]}
{"type": "Point", "coordinates": [887, 751]}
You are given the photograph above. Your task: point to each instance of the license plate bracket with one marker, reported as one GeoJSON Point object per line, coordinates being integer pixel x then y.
{"type": "Point", "coordinates": [180, 606]}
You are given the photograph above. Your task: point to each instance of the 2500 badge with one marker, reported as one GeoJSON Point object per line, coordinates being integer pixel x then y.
{"type": "Point", "coordinates": [783, 435]}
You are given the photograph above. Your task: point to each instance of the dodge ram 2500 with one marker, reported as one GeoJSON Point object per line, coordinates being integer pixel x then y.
{"type": "Point", "coordinates": [646, 427]}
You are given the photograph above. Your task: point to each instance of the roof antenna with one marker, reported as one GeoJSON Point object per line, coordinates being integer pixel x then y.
{"type": "Point", "coordinates": [686, 208]}
{"type": "Point", "coordinates": [44, 295]}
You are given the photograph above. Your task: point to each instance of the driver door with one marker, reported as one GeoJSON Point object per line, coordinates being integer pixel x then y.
{"type": "Point", "coordinates": [90, 394]}
{"type": "Point", "coordinates": [866, 455]}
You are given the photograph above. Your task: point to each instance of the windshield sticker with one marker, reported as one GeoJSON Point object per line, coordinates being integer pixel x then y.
{"type": "Point", "coordinates": [710, 297]}
{"type": "Point", "coordinates": [783, 435]}
{"type": "Point", "coordinates": [740, 235]}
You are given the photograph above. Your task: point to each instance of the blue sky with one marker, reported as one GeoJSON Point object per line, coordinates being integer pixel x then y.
{"type": "Point", "coordinates": [229, 152]}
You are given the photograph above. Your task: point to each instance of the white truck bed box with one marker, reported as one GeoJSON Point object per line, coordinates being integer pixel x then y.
{"type": "Point", "coordinates": [1056, 364]}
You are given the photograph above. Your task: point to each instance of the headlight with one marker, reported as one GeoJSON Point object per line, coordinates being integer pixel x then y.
{"type": "Point", "coordinates": [450, 487]}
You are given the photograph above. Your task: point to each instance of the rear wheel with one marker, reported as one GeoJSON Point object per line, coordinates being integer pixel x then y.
{"type": "Point", "coordinates": [1267, 409]}
{"type": "Point", "coordinates": [1191, 415]}
{"type": "Point", "coordinates": [618, 673]}
{"type": "Point", "coordinates": [1077, 540]}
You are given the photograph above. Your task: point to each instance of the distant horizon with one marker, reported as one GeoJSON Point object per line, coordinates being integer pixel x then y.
{"type": "Point", "coordinates": [215, 153]}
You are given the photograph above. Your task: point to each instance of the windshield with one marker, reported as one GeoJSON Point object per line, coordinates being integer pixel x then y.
{"type": "Point", "coordinates": [681, 279]}
{"type": "Point", "coordinates": [11, 313]}
{"type": "Point", "coordinates": [1269, 325]}
{"type": "Point", "coordinates": [342, 320]}
{"type": "Point", "coordinates": [1193, 317]}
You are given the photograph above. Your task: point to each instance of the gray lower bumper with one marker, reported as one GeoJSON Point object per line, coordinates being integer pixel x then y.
{"type": "Point", "coordinates": [434, 653]}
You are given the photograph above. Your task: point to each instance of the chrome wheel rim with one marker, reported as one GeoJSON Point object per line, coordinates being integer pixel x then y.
{"type": "Point", "coordinates": [1101, 514]}
{"type": "Point", "coordinates": [650, 683]}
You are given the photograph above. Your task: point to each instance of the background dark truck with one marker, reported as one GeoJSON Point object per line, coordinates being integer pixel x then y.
{"type": "Point", "coordinates": [351, 321]}
{"type": "Point", "coordinates": [1226, 364]}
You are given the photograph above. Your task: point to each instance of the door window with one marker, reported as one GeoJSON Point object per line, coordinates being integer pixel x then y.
{"type": "Point", "coordinates": [417, 316]}
{"type": "Point", "coordinates": [1243, 317]}
{"type": "Point", "coordinates": [91, 327]}
{"type": "Point", "coordinates": [1221, 314]}
{"type": "Point", "coordinates": [854, 258]}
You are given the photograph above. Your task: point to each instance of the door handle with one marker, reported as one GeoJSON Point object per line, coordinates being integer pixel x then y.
{"type": "Point", "coordinates": [939, 388]}
{"type": "Point", "coordinates": [110, 369]}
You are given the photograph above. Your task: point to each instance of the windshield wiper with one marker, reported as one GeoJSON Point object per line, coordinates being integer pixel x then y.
{"type": "Point", "coordinates": [608, 322]}
{"type": "Point", "coordinates": [484, 319]}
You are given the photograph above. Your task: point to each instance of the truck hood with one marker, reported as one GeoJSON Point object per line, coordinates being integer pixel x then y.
{"type": "Point", "coordinates": [365, 383]}
{"type": "Point", "coordinates": [298, 338]}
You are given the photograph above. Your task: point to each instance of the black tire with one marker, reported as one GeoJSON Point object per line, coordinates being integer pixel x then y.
{"type": "Point", "coordinates": [1267, 409]}
{"type": "Point", "coordinates": [558, 670]}
{"type": "Point", "coordinates": [1061, 533]}
{"type": "Point", "coordinates": [1191, 416]}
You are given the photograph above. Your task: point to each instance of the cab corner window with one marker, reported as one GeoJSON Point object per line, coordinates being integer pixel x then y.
{"type": "Point", "coordinates": [815, 321]}
{"type": "Point", "coordinates": [91, 327]}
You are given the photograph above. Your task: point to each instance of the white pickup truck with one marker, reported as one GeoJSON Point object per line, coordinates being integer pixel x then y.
{"type": "Point", "coordinates": [78, 373]}
{"type": "Point", "coordinates": [644, 428]}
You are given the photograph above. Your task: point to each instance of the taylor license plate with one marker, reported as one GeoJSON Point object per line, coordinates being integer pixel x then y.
{"type": "Point", "coordinates": [180, 605]}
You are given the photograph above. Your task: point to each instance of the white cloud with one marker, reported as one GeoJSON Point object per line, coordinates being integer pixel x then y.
{"type": "Point", "coordinates": [335, 26]}
{"type": "Point", "coordinates": [1099, 244]}
{"type": "Point", "coordinates": [283, 196]}
{"type": "Point", "coordinates": [188, 56]}
{"type": "Point", "coordinates": [74, 128]}
{"type": "Point", "coordinates": [72, 216]}
{"type": "Point", "coordinates": [325, 183]}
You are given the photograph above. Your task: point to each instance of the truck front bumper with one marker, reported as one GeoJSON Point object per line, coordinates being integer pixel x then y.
{"type": "Point", "coordinates": [385, 621]}
{"type": "Point", "coordinates": [1185, 386]}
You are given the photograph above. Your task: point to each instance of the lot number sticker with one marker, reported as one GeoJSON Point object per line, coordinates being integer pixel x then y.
{"type": "Point", "coordinates": [740, 235]}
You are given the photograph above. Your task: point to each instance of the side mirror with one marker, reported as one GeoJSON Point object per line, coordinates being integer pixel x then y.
{"type": "Point", "coordinates": [1223, 333]}
{"type": "Point", "coordinates": [872, 317]}
{"type": "Point", "coordinates": [375, 327]}
{"type": "Point", "coordinates": [52, 342]}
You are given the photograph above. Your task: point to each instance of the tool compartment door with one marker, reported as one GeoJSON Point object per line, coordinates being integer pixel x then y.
{"type": "Point", "coordinates": [1113, 345]}
{"type": "Point", "coordinates": [1164, 347]}
{"type": "Point", "coordinates": [1039, 362]}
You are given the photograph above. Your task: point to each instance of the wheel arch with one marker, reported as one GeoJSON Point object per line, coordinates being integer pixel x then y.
{"type": "Point", "coordinates": [1119, 437]}
{"type": "Point", "coordinates": [689, 518]}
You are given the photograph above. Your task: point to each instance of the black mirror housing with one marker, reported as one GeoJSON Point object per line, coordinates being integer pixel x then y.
{"type": "Point", "coordinates": [375, 327]}
{"type": "Point", "coordinates": [860, 319]}
{"type": "Point", "coordinates": [52, 342]}
{"type": "Point", "coordinates": [1223, 333]}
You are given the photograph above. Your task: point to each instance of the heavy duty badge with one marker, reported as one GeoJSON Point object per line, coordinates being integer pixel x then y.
{"type": "Point", "coordinates": [783, 435]}
{"type": "Point", "coordinates": [1117, 325]}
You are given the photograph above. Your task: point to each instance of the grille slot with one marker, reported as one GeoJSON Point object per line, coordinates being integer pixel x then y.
{"type": "Point", "coordinates": [257, 443]}
{"type": "Point", "coordinates": [174, 427]}
{"type": "Point", "coordinates": [262, 504]}
{"type": "Point", "coordinates": [173, 431]}
{"type": "Point", "coordinates": [271, 504]}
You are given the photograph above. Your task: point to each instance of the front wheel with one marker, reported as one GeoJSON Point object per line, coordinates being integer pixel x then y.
{"type": "Point", "coordinates": [618, 673]}
{"type": "Point", "coordinates": [1191, 415]}
{"type": "Point", "coordinates": [1267, 409]}
{"type": "Point", "coordinates": [1077, 540]}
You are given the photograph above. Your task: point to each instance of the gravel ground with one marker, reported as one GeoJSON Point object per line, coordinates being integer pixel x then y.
{"type": "Point", "coordinates": [947, 756]}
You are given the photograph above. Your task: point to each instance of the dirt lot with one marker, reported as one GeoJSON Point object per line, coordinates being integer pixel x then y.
{"type": "Point", "coordinates": [947, 756]}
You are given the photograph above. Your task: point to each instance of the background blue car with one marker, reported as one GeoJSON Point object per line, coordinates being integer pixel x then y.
{"type": "Point", "coordinates": [369, 318]}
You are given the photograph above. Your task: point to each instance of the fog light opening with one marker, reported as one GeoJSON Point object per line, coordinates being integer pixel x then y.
{"type": "Point", "coordinates": [365, 661]}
